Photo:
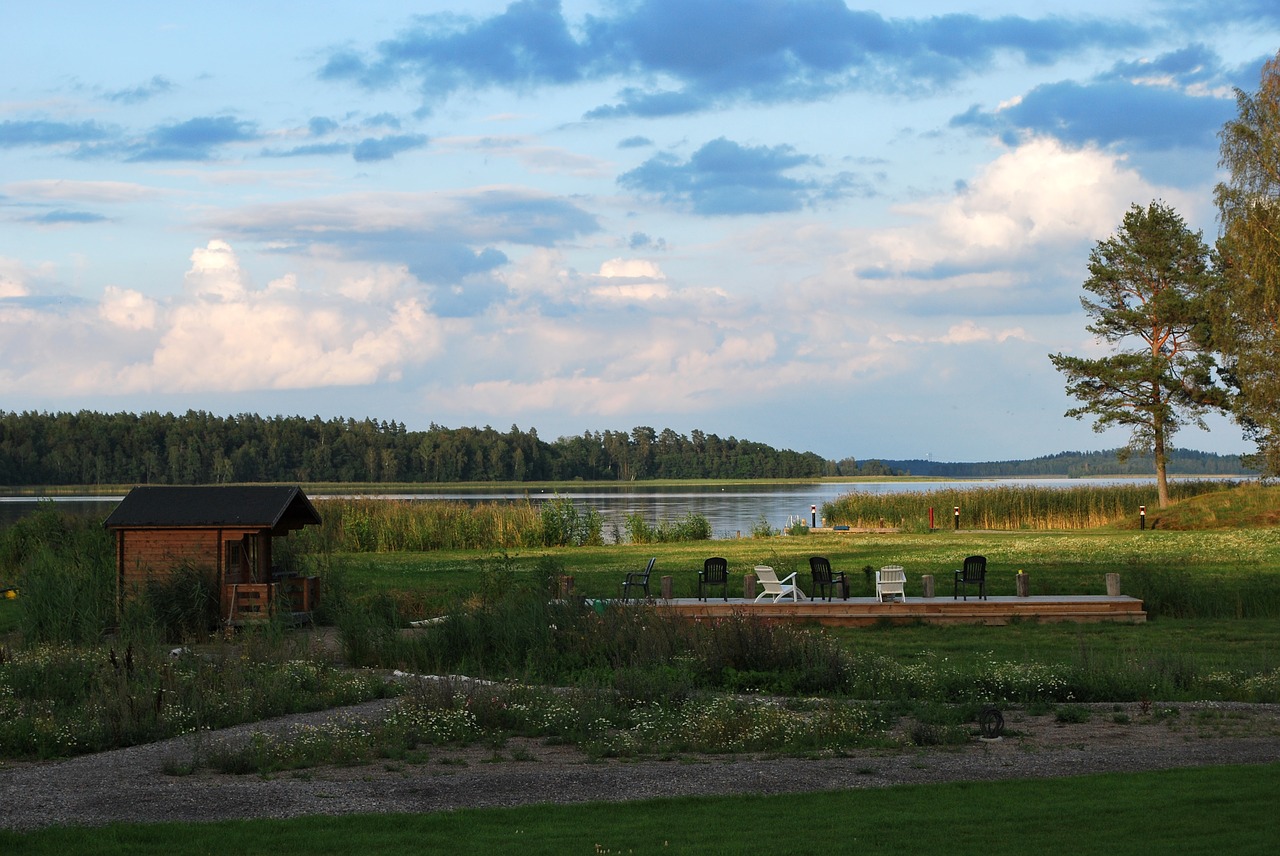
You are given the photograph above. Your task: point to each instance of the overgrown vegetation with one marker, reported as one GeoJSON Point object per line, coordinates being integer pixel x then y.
{"type": "Point", "coordinates": [1008, 506]}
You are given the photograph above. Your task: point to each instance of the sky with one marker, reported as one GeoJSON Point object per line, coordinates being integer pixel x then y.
{"type": "Point", "coordinates": [851, 229]}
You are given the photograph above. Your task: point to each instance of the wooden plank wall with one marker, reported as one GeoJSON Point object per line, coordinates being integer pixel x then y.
{"type": "Point", "coordinates": [152, 553]}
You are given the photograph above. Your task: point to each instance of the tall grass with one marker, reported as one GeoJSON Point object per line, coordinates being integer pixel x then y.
{"type": "Point", "coordinates": [392, 525]}
{"type": "Point", "coordinates": [65, 574]}
{"type": "Point", "coordinates": [1007, 506]}
{"type": "Point", "coordinates": [691, 527]}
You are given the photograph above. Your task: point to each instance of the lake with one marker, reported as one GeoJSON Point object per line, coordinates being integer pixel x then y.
{"type": "Point", "coordinates": [730, 509]}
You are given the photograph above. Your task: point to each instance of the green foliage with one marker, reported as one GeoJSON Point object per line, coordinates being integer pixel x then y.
{"type": "Point", "coordinates": [1151, 284]}
{"type": "Point", "coordinates": [692, 527]}
{"type": "Point", "coordinates": [762, 529]}
{"type": "Point", "coordinates": [564, 526]}
{"type": "Point", "coordinates": [184, 604]}
{"type": "Point", "coordinates": [202, 448]}
{"type": "Point", "coordinates": [1247, 324]}
{"type": "Point", "coordinates": [65, 571]}
{"type": "Point", "coordinates": [392, 525]}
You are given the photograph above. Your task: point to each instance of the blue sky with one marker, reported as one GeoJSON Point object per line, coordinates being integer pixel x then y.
{"type": "Point", "coordinates": [857, 230]}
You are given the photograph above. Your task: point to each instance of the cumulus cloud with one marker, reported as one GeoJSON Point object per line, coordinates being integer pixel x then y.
{"type": "Point", "coordinates": [11, 287]}
{"type": "Point", "coordinates": [726, 178]}
{"type": "Point", "coordinates": [219, 334]}
{"type": "Point", "coordinates": [128, 309]}
{"type": "Point", "coordinates": [631, 268]}
{"type": "Point", "coordinates": [1036, 197]}
{"type": "Point", "coordinates": [1179, 99]}
{"type": "Point", "coordinates": [797, 51]}
{"type": "Point", "coordinates": [200, 138]}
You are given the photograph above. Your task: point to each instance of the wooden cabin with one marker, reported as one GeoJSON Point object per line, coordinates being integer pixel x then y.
{"type": "Point", "coordinates": [226, 529]}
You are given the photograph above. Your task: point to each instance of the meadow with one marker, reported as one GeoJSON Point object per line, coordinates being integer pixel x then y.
{"type": "Point", "coordinates": [76, 676]}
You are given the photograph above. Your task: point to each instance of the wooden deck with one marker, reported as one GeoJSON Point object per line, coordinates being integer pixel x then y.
{"type": "Point", "coordinates": [862, 611]}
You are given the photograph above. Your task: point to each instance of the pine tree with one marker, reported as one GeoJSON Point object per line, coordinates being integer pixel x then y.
{"type": "Point", "coordinates": [1150, 283]}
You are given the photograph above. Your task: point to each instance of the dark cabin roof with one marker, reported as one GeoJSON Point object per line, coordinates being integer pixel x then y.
{"type": "Point", "coordinates": [249, 506]}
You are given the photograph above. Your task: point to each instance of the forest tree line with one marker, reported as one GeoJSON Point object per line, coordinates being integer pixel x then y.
{"type": "Point", "coordinates": [89, 448]}
{"type": "Point", "coordinates": [200, 448]}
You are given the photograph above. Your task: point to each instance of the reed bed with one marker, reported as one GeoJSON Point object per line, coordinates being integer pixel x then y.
{"type": "Point", "coordinates": [395, 525]}
{"type": "Point", "coordinates": [1007, 506]}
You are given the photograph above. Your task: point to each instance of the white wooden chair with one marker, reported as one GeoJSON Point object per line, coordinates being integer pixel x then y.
{"type": "Point", "coordinates": [777, 588]}
{"type": "Point", "coordinates": [891, 580]}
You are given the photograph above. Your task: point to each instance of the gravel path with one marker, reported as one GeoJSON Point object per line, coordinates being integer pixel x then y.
{"type": "Point", "coordinates": [130, 784]}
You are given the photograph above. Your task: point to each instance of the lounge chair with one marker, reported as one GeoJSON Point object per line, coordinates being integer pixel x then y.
{"type": "Point", "coordinates": [715, 572]}
{"type": "Point", "coordinates": [826, 580]}
{"type": "Point", "coordinates": [891, 580]}
{"type": "Point", "coordinates": [974, 572]}
{"type": "Point", "coordinates": [777, 588]}
{"type": "Point", "coordinates": [638, 579]}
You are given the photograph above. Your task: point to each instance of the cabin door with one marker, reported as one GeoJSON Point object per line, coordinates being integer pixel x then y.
{"type": "Point", "coordinates": [239, 560]}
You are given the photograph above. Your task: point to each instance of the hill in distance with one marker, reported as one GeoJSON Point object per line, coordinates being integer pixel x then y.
{"type": "Point", "coordinates": [1075, 465]}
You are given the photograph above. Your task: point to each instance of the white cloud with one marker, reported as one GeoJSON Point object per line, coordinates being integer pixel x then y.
{"type": "Point", "coordinates": [217, 335]}
{"type": "Point", "coordinates": [967, 333]}
{"type": "Point", "coordinates": [631, 268]}
{"type": "Point", "coordinates": [128, 309]}
{"type": "Point", "coordinates": [1036, 196]}
{"type": "Point", "coordinates": [11, 287]}
{"type": "Point", "coordinates": [83, 191]}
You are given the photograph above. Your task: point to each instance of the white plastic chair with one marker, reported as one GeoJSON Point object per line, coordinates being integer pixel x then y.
{"type": "Point", "coordinates": [891, 580]}
{"type": "Point", "coordinates": [777, 588]}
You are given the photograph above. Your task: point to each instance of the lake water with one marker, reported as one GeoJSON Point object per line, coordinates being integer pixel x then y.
{"type": "Point", "coordinates": [730, 509]}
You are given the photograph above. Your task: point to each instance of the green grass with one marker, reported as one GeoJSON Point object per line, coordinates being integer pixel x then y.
{"type": "Point", "coordinates": [1210, 644]}
{"type": "Point", "coordinates": [1210, 811]}
{"type": "Point", "coordinates": [1225, 573]}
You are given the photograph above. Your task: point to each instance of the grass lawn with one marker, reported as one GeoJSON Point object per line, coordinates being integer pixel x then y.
{"type": "Point", "coordinates": [1210, 811]}
{"type": "Point", "coordinates": [1240, 566]}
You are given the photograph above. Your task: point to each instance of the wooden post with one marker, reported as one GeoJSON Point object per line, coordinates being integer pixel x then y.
{"type": "Point", "coordinates": [1023, 582]}
{"type": "Point", "coordinates": [668, 587]}
{"type": "Point", "coordinates": [926, 581]}
{"type": "Point", "coordinates": [749, 586]}
{"type": "Point", "coordinates": [566, 586]}
{"type": "Point", "coordinates": [1113, 585]}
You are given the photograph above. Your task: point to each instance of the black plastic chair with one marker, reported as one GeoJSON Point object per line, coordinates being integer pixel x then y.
{"type": "Point", "coordinates": [715, 572]}
{"type": "Point", "coordinates": [974, 572]}
{"type": "Point", "coordinates": [825, 579]}
{"type": "Point", "coordinates": [638, 579]}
